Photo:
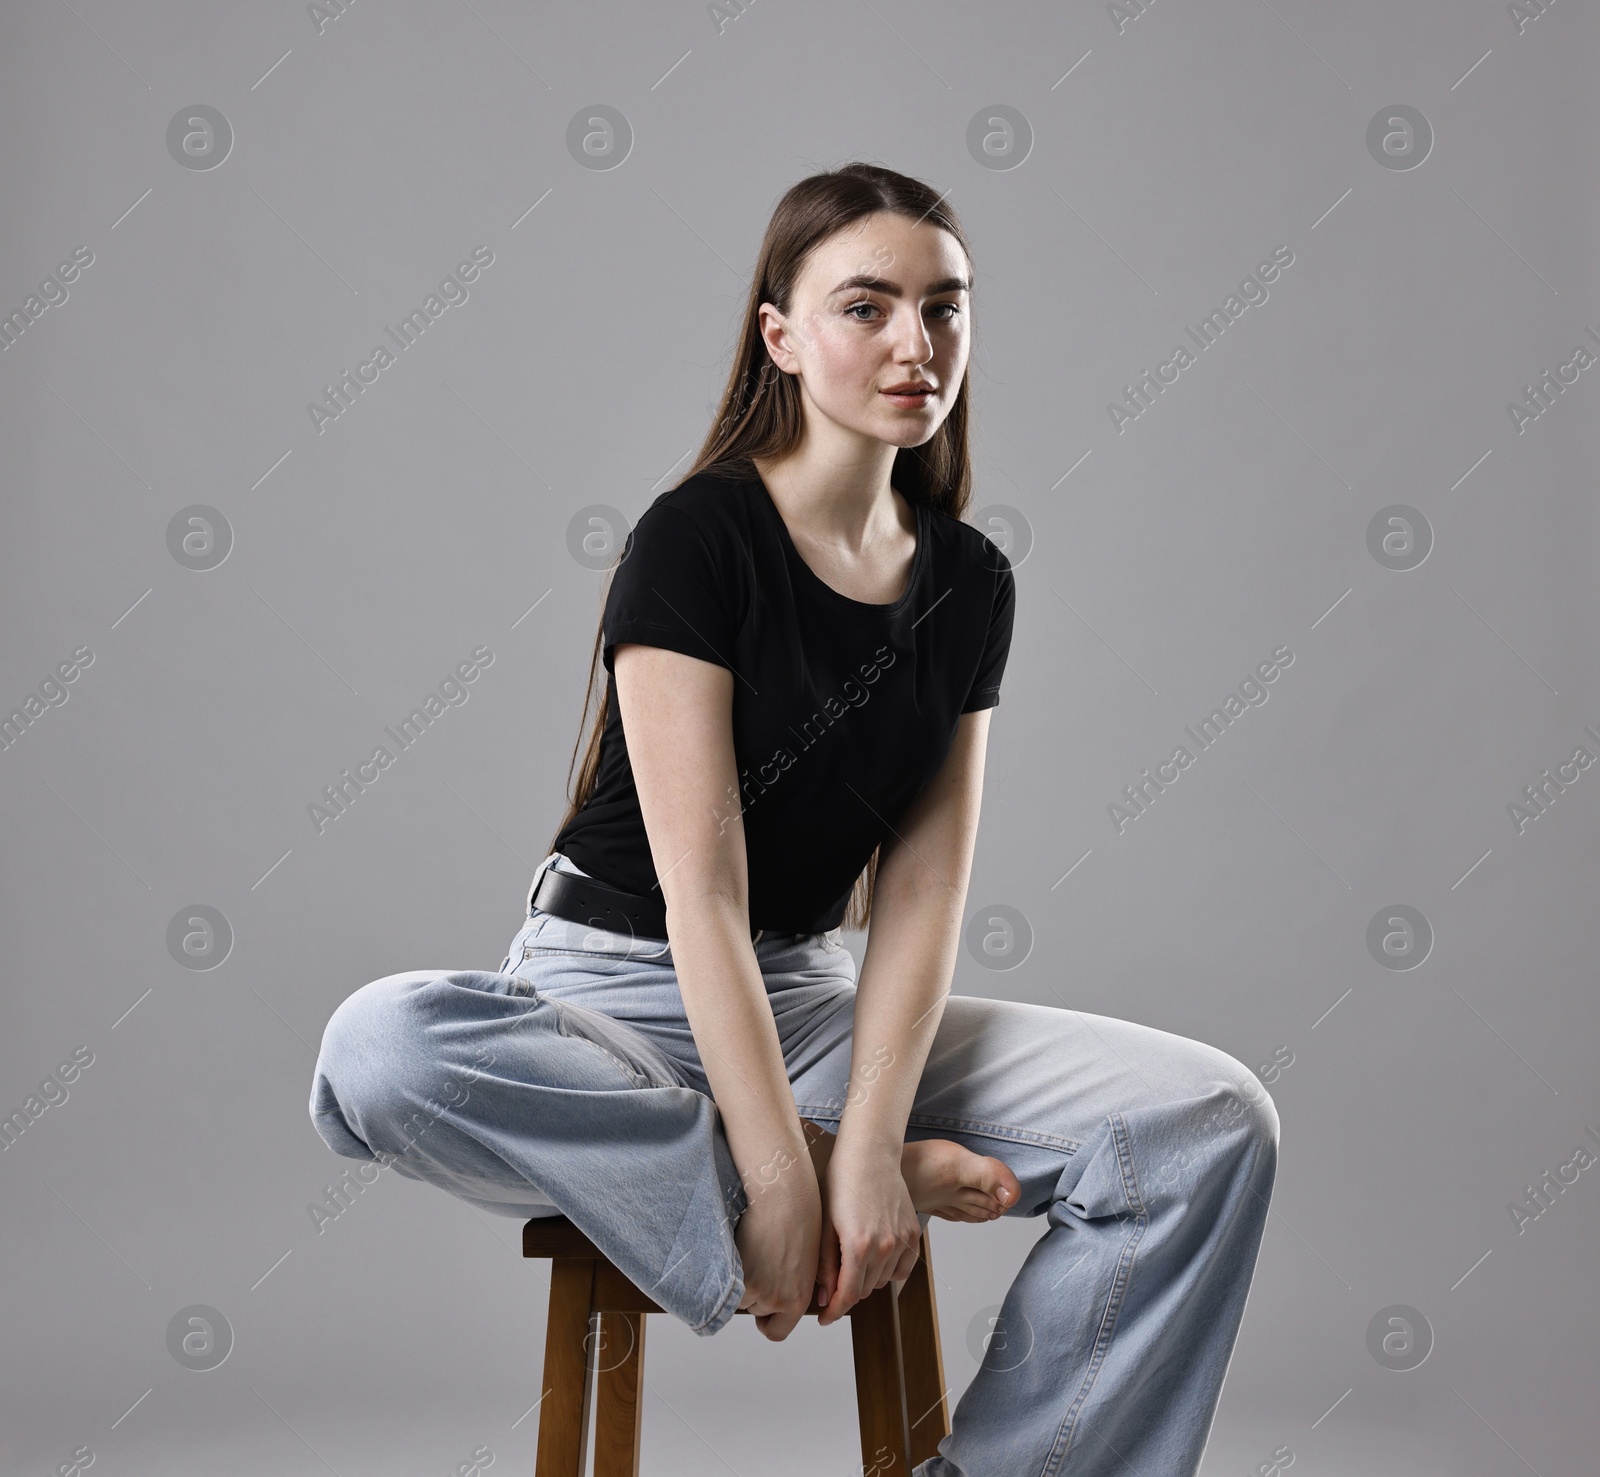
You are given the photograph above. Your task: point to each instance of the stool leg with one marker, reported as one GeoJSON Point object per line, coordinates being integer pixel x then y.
{"type": "Point", "coordinates": [564, 1400]}
{"type": "Point", "coordinates": [880, 1385]}
{"type": "Point", "coordinates": [620, 1375]}
{"type": "Point", "coordinates": [927, 1408]}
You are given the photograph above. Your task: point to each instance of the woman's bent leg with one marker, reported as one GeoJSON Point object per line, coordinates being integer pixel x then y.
{"type": "Point", "coordinates": [1152, 1158]}
{"type": "Point", "coordinates": [470, 1081]}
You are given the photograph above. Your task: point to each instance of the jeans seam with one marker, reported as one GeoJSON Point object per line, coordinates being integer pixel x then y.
{"type": "Point", "coordinates": [830, 1114]}
{"type": "Point", "coordinates": [1119, 1287]}
{"type": "Point", "coordinates": [546, 953]}
{"type": "Point", "coordinates": [639, 1078]}
{"type": "Point", "coordinates": [734, 1290]}
{"type": "Point", "coordinates": [735, 1294]}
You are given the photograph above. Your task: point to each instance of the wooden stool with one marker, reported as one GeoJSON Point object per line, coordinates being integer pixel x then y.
{"type": "Point", "coordinates": [900, 1389]}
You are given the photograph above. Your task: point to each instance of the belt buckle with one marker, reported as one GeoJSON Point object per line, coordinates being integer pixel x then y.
{"type": "Point", "coordinates": [544, 869]}
{"type": "Point", "coordinates": [538, 883]}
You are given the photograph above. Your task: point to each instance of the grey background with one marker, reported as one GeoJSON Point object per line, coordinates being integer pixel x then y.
{"type": "Point", "coordinates": [1169, 154]}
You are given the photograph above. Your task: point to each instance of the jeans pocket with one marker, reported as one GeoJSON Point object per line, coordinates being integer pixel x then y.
{"type": "Point", "coordinates": [639, 1060]}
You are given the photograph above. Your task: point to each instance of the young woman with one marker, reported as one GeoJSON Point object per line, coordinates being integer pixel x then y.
{"type": "Point", "coordinates": [804, 644]}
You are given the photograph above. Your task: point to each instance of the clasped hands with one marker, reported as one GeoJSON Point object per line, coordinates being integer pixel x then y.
{"type": "Point", "coordinates": [839, 1234]}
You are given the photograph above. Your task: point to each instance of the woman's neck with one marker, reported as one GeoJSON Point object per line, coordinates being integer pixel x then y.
{"type": "Point", "coordinates": [844, 504]}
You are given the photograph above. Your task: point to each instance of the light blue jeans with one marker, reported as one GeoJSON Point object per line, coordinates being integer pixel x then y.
{"type": "Point", "coordinates": [568, 1078]}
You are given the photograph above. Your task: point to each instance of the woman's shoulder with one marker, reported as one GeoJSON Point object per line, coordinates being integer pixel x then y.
{"type": "Point", "coordinates": [717, 501]}
{"type": "Point", "coordinates": [699, 529]}
{"type": "Point", "coordinates": [969, 547]}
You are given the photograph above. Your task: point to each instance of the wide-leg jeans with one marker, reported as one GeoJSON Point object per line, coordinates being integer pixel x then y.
{"type": "Point", "coordinates": [568, 1080]}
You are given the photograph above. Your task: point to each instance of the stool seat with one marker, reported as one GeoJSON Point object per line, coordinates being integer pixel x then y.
{"type": "Point", "coordinates": [894, 1333]}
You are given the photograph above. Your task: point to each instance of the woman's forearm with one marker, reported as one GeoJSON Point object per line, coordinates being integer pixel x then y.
{"type": "Point", "coordinates": [900, 994]}
{"type": "Point", "coordinates": [918, 896]}
{"type": "Point", "coordinates": [725, 1000]}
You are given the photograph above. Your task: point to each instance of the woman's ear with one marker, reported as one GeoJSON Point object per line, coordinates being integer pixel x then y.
{"type": "Point", "coordinates": [775, 334]}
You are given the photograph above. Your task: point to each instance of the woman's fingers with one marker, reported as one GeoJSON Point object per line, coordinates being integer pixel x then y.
{"type": "Point", "coordinates": [857, 1272]}
{"type": "Point", "coordinates": [847, 1291]}
{"type": "Point", "coordinates": [776, 1316]}
{"type": "Point", "coordinates": [870, 1210]}
{"type": "Point", "coordinates": [778, 1326]}
{"type": "Point", "coordinates": [828, 1263]}
{"type": "Point", "coordinates": [866, 1271]}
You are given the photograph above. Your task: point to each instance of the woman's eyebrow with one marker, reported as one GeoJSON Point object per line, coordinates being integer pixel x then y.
{"type": "Point", "coordinates": [893, 289]}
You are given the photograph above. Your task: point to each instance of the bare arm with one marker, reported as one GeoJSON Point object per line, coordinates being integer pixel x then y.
{"type": "Point", "coordinates": [677, 715]}
{"type": "Point", "coordinates": [918, 899]}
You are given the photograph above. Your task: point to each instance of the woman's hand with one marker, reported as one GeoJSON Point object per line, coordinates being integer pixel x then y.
{"type": "Point", "coordinates": [778, 1238]}
{"type": "Point", "coordinates": [870, 1236]}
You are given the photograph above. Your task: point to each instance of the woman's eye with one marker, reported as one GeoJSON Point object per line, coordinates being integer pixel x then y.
{"type": "Point", "coordinates": [951, 311]}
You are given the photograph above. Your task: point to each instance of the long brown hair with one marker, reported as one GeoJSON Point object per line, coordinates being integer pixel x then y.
{"type": "Point", "coordinates": [761, 416]}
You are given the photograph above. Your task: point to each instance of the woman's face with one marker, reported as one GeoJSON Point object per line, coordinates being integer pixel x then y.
{"type": "Point", "coordinates": [880, 306]}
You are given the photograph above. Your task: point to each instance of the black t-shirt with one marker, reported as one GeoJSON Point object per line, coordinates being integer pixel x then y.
{"type": "Point", "coordinates": [842, 711]}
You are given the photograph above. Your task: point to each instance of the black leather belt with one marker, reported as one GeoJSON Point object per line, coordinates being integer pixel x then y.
{"type": "Point", "coordinates": [585, 900]}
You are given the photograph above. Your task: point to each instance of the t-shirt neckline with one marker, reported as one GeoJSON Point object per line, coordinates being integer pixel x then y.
{"type": "Point", "coordinates": [794, 555]}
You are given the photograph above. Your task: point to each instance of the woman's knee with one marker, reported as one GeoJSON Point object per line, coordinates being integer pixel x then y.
{"type": "Point", "coordinates": [375, 1058]}
{"type": "Point", "coordinates": [371, 1021]}
{"type": "Point", "coordinates": [1247, 1109]}
{"type": "Point", "coordinates": [1235, 1101]}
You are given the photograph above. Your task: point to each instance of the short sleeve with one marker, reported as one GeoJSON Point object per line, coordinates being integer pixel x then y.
{"type": "Point", "coordinates": [985, 690]}
{"type": "Point", "coordinates": [668, 590]}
